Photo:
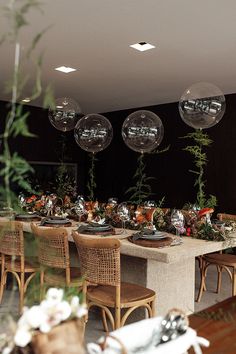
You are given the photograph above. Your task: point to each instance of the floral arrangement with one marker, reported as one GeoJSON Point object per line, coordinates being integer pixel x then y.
{"type": "Point", "coordinates": [51, 312]}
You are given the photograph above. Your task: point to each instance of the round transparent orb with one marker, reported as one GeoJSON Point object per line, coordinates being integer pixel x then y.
{"type": "Point", "coordinates": [202, 105]}
{"type": "Point", "coordinates": [65, 115]}
{"type": "Point", "coordinates": [93, 132]}
{"type": "Point", "coordinates": [142, 131]}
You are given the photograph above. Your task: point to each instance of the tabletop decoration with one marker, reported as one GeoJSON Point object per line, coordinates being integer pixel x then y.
{"type": "Point", "coordinates": [202, 105]}
{"type": "Point", "coordinates": [93, 133]}
{"type": "Point", "coordinates": [57, 322]}
{"type": "Point", "coordinates": [64, 114]}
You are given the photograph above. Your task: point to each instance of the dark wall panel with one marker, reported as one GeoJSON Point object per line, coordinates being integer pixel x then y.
{"type": "Point", "coordinates": [116, 165]}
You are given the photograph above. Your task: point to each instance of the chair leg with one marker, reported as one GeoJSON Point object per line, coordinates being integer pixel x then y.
{"type": "Point", "coordinates": [21, 291]}
{"type": "Point", "coordinates": [42, 286]}
{"type": "Point", "coordinates": [203, 279]}
{"type": "Point", "coordinates": [104, 321]}
{"type": "Point", "coordinates": [153, 307]}
{"type": "Point", "coordinates": [219, 278]}
{"type": "Point", "coordinates": [117, 317]}
{"type": "Point", "coordinates": [234, 282]}
{"type": "Point", "coordinates": [2, 285]}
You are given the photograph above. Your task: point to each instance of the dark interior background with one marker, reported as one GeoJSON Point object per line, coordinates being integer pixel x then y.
{"type": "Point", "coordinates": [116, 165]}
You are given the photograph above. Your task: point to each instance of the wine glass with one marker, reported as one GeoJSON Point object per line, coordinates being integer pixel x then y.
{"type": "Point", "coordinates": [150, 207]}
{"type": "Point", "coordinates": [80, 209]}
{"type": "Point", "coordinates": [123, 213]}
{"type": "Point", "coordinates": [177, 220]}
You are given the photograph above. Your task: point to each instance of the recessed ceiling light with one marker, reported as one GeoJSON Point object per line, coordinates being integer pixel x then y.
{"type": "Point", "coordinates": [142, 46]}
{"type": "Point", "coordinates": [26, 100]}
{"type": "Point", "coordinates": [65, 69]}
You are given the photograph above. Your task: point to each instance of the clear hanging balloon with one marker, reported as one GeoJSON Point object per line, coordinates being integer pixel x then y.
{"type": "Point", "coordinates": [202, 105]}
{"type": "Point", "coordinates": [142, 131]}
{"type": "Point", "coordinates": [65, 114]}
{"type": "Point", "coordinates": [93, 132]}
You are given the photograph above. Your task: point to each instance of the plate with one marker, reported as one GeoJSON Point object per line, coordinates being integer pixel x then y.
{"type": "Point", "coordinates": [27, 216]}
{"type": "Point", "coordinates": [55, 221]}
{"type": "Point", "coordinates": [153, 237]}
{"type": "Point", "coordinates": [99, 228]}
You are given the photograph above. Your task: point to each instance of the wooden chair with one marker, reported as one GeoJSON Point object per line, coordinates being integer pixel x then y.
{"type": "Point", "coordinates": [54, 258]}
{"type": "Point", "coordinates": [100, 265]}
{"type": "Point", "coordinates": [13, 258]}
{"type": "Point", "coordinates": [223, 261]}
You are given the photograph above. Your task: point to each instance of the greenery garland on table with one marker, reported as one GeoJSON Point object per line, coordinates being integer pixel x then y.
{"type": "Point", "coordinates": [201, 141]}
{"type": "Point", "coordinates": [15, 170]}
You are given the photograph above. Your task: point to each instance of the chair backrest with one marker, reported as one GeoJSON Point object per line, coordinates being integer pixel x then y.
{"type": "Point", "coordinates": [11, 238]}
{"type": "Point", "coordinates": [99, 259]}
{"type": "Point", "coordinates": [223, 216]}
{"type": "Point", "coordinates": [53, 247]}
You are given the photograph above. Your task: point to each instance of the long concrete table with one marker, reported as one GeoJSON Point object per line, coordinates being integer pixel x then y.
{"type": "Point", "coordinates": [170, 271]}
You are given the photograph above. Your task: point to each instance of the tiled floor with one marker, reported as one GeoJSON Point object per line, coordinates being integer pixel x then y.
{"type": "Point", "coordinates": [94, 326]}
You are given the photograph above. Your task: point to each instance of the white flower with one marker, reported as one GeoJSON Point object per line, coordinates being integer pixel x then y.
{"type": "Point", "coordinates": [22, 337]}
{"type": "Point", "coordinates": [77, 309]}
{"type": "Point", "coordinates": [7, 350]}
{"type": "Point", "coordinates": [55, 312]}
{"type": "Point", "coordinates": [45, 327]}
{"type": "Point", "coordinates": [54, 295]}
{"type": "Point", "coordinates": [35, 316]}
{"type": "Point", "coordinates": [74, 303]}
{"type": "Point", "coordinates": [82, 311]}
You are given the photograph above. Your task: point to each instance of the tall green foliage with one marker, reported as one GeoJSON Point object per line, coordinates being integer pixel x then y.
{"type": "Point", "coordinates": [15, 169]}
{"type": "Point", "coordinates": [142, 190]}
{"type": "Point", "coordinates": [91, 184]}
{"type": "Point", "coordinates": [201, 141]}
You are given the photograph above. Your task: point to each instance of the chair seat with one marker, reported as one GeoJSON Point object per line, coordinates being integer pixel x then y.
{"type": "Point", "coordinates": [105, 294]}
{"type": "Point", "coordinates": [221, 259]}
{"type": "Point", "coordinates": [58, 277]}
{"type": "Point", "coordinates": [15, 265]}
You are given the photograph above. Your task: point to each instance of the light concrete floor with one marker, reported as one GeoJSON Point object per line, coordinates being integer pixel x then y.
{"type": "Point", "coordinates": [94, 327]}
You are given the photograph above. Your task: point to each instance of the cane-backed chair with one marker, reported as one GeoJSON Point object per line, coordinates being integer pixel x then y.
{"type": "Point", "coordinates": [100, 265]}
{"type": "Point", "coordinates": [222, 261]}
{"type": "Point", "coordinates": [13, 260]}
{"type": "Point", "coordinates": [54, 258]}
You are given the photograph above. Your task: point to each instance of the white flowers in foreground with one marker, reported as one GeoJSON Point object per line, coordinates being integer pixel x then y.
{"type": "Point", "coordinates": [49, 313]}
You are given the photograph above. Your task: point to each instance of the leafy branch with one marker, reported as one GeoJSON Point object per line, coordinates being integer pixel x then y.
{"type": "Point", "coordinates": [201, 141]}
{"type": "Point", "coordinates": [142, 190]}
{"type": "Point", "coordinates": [91, 184]}
{"type": "Point", "coordinates": [14, 168]}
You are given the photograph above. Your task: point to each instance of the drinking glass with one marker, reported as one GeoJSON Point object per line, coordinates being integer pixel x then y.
{"type": "Point", "coordinates": [123, 213]}
{"type": "Point", "coordinates": [177, 220]}
{"type": "Point", "coordinates": [80, 209]}
{"type": "Point", "coordinates": [150, 207]}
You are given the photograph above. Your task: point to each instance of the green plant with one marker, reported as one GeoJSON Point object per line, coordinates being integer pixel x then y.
{"type": "Point", "coordinates": [15, 169]}
{"type": "Point", "coordinates": [201, 141]}
{"type": "Point", "coordinates": [141, 190]}
{"type": "Point", "coordinates": [65, 184]}
{"type": "Point", "coordinates": [91, 184]}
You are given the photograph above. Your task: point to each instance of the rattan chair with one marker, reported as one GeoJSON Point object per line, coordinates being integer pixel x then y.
{"type": "Point", "coordinates": [13, 258]}
{"type": "Point", "coordinates": [222, 261]}
{"type": "Point", "coordinates": [100, 265]}
{"type": "Point", "coordinates": [54, 258]}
